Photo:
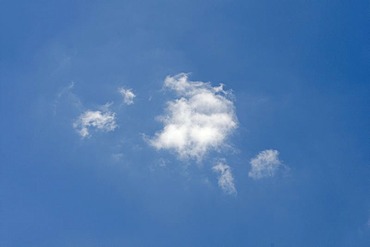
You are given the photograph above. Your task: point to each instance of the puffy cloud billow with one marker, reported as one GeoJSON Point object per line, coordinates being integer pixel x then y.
{"type": "Point", "coordinates": [101, 120]}
{"type": "Point", "coordinates": [199, 120]}
{"type": "Point", "coordinates": [225, 179]}
{"type": "Point", "coordinates": [265, 164]}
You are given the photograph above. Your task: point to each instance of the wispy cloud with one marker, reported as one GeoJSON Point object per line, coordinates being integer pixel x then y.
{"type": "Point", "coordinates": [101, 120]}
{"type": "Point", "coordinates": [265, 164]}
{"type": "Point", "coordinates": [66, 94]}
{"type": "Point", "coordinates": [198, 121]}
{"type": "Point", "coordinates": [128, 95]}
{"type": "Point", "coordinates": [225, 179]}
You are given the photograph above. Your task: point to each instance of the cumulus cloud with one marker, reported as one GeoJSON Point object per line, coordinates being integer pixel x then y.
{"type": "Point", "coordinates": [265, 164]}
{"type": "Point", "coordinates": [128, 95]}
{"type": "Point", "coordinates": [225, 179]}
{"type": "Point", "coordinates": [199, 120]}
{"type": "Point", "coordinates": [101, 120]}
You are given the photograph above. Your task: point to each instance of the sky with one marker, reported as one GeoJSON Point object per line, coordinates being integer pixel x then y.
{"type": "Point", "coordinates": [184, 123]}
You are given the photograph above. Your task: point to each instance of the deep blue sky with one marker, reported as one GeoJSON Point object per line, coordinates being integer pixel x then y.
{"type": "Point", "coordinates": [299, 73]}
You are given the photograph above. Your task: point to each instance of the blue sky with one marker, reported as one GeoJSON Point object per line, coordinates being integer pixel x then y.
{"type": "Point", "coordinates": [278, 156]}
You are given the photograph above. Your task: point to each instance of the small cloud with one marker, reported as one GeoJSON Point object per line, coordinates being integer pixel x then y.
{"type": "Point", "coordinates": [67, 95]}
{"type": "Point", "coordinates": [128, 95]}
{"type": "Point", "coordinates": [199, 120]}
{"type": "Point", "coordinates": [162, 163]}
{"type": "Point", "coordinates": [225, 179]}
{"type": "Point", "coordinates": [158, 164]}
{"type": "Point", "coordinates": [66, 89]}
{"type": "Point", "coordinates": [116, 157]}
{"type": "Point", "coordinates": [265, 164]}
{"type": "Point", "coordinates": [101, 120]}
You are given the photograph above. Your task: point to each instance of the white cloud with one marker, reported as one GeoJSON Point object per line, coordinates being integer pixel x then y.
{"type": "Point", "coordinates": [265, 164]}
{"type": "Point", "coordinates": [101, 120]}
{"type": "Point", "coordinates": [128, 95]}
{"type": "Point", "coordinates": [225, 179]}
{"type": "Point", "coordinates": [198, 121]}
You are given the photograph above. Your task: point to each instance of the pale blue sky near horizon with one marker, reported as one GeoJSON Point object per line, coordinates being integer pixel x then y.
{"type": "Point", "coordinates": [299, 76]}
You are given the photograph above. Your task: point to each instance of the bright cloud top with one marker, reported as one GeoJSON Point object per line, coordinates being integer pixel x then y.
{"type": "Point", "coordinates": [225, 179]}
{"type": "Point", "coordinates": [198, 121]}
{"type": "Point", "coordinates": [105, 121]}
{"type": "Point", "coordinates": [128, 95]}
{"type": "Point", "coordinates": [265, 164]}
